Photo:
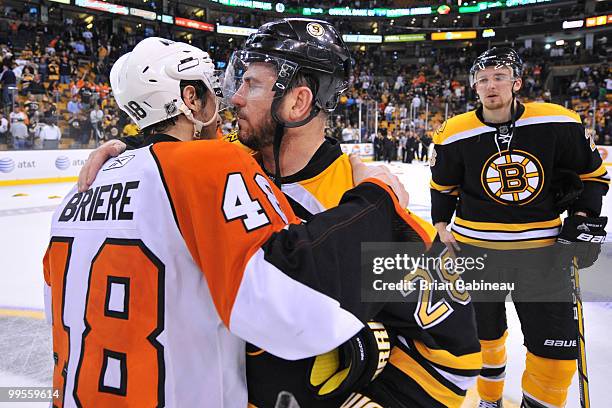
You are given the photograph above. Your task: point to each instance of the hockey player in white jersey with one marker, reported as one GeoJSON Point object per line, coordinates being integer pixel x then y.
{"type": "Point", "coordinates": [179, 252]}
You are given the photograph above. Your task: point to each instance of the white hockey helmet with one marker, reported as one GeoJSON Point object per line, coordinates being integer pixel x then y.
{"type": "Point", "coordinates": [146, 81]}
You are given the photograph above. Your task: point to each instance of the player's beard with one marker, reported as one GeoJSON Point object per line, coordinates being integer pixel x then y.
{"type": "Point", "coordinates": [498, 104]}
{"type": "Point", "coordinates": [256, 138]}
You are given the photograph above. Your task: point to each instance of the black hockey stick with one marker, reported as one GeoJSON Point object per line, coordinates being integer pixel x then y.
{"type": "Point", "coordinates": [583, 378]}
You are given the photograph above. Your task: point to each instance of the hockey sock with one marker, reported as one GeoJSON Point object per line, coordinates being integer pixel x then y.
{"type": "Point", "coordinates": [491, 379]}
{"type": "Point", "coordinates": [546, 380]}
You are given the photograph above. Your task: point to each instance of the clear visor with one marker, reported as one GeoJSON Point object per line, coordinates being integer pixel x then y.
{"type": "Point", "coordinates": [496, 77]}
{"type": "Point", "coordinates": [255, 76]}
{"type": "Point", "coordinates": [214, 81]}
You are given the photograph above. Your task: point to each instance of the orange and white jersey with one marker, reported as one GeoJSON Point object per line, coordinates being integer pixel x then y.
{"type": "Point", "coordinates": [160, 271]}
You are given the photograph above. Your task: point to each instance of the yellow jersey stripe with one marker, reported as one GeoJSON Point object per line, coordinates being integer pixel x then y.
{"type": "Point", "coordinates": [429, 383]}
{"type": "Point", "coordinates": [601, 170]}
{"type": "Point", "coordinates": [462, 126]}
{"type": "Point", "coordinates": [496, 226]}
{"type": "Point", "coordinates": [536, 109]}
{"type": "Point", "coordinates": [598, 180]}
{"type": "Point", "coordinates": [504, 245]}
{"type": "Point", "coordinates": [471, 361]}
{"type": "Point", "coordinates": [440, 187]}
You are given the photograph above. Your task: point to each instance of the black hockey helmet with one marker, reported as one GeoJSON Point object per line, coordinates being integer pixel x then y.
{"type": "Point", "coordinates": [297, 45]}
{"type": "Point", "coordinates": [294, 46]}
{"type": "Point", "coordinates": [497, 58]}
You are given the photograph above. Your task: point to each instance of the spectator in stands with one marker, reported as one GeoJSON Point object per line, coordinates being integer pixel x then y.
{"type": "Point", "coordinates": [65, 70]}
{"type": "Point", "coordinates": [74, 106]}
{"type": "Point", "coordinates": [50, 135]}
{"type": "Point", "coordinates": [19, 128]}
{"type": "Point", "coordinates": [27, 76]}
{"type": "Point", "coordinates": [389, 109]}
{"type": "Point", "coordinates": [86, 93]}
{"type": "Point", "coordinates": [49, 108]}
{"type": "Point", "coordinates": [111, 125]}
{"type": "Point", "coordinates": [347, 134]}
{"type": "Point", "coordinates": [54, 72]}
{"type": "Point", "coordinates": [36, 86]}
{"type": "Point", "coordinates": [96, 116]}
{"type": "Point", "coordinates": [42, 68]}
{"type": "Point", "coordinates": [416, 105]}
{"type": "Point", "coordinates": [76, 129]}
{"type": "Point", "coordinates": [3, 128]}
{"type": "Point", "coordinates": [32, 110]}
{"type": "Point", "coordinates": [8, 81]}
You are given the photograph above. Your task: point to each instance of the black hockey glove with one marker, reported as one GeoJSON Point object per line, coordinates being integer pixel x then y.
{"type": "Point", "coordinates": [352, 365]}
{"type": "Point", "coordinates": [583, 237]}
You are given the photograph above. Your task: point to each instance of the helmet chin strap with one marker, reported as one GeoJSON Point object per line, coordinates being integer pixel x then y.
{"type": "Point", "coordinates": [279, 132]}
{"type": "Point", "coordinates": [198, 125]}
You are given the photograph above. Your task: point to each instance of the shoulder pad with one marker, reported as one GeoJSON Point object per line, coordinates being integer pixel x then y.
{"type": "Point", "coordinates": [540, 112]}
{"type": "Point", "coordinates": [460, 127]}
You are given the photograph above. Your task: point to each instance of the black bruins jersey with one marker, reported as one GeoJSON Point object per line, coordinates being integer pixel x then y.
{"type": "Point", "coordinates": [428, 367]}
{"type": "Point", "coordinates": [499, 181]}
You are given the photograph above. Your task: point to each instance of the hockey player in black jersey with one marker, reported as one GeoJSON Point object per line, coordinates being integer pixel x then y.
{"type": "Point", "coordinates": [506, 171]}
{"type": "Point", "coordinates": [288, 76]}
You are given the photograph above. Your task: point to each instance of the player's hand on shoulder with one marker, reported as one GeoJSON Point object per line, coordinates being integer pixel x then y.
{"type": "Point", "coordinates": [361, 172]}
{"type": "Point", "coordinates": [96, 160]}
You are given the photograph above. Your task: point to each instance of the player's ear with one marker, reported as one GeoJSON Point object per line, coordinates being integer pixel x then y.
{"type": "Point", "coordinates": [518, 83]}
{"type": "Point", "coordinates": [190, 98]}
{"type": "Point", "coordinates": [300, 100]}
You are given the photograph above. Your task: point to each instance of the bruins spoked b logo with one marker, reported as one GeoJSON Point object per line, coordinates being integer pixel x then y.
{"type": "Point", "coordinates": [514, 178]}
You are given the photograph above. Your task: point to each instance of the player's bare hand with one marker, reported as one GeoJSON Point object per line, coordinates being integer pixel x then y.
{"type": "Point", "coordinates": [447, 238]}
{"type": "Point", "coordinates": [96, 159]}
{"type": "Point", "coordinates": [382, 173]}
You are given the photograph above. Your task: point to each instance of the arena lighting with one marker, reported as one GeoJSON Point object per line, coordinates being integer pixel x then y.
{"type": "Point", "coordinates": [361, 38]}
{"type": "Point", "coordinates": [308, 11]}
{"type": "Point", "coordinates": [444, 9]}
{"type": "Point", "coordinates": [487, 5]}
{"type": "Point", "coordinates": [233, 30]}
{"type": "Point", "coordinates": [146, 14]}
{"type": "Point", "coordinates": [560, 42]}
{"type": "Point", "coordinates": [598, 21]}
{"type": "Point", "coordinates": [260, 5]}
{"type": "Point", "coordinates": [166, 19]}
{"type": "Point", "coordinates": [197, 25]}
{"type": "Point", "coordinates": [404, 38]}
{"type": "Point", "coordinates": [453, 35]}
{"type": "Point", "coordinates": [488, 33]}
{"type": "Point", "coordinates": [61, 1]}
{"type": "Point", "coordinates": [578, 43]}
{"type": "Point", "coordinates": [103, 6]}
{"type": "Point", "coordinates": [547, 47]}
{"type": "Point", "coordinates": [572, 24]}
{"type": "Point", "coordinates": [376, 12]}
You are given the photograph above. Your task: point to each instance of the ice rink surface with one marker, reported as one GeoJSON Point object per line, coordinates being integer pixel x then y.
{"type": "Point", "coordinates": [25, 347]}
